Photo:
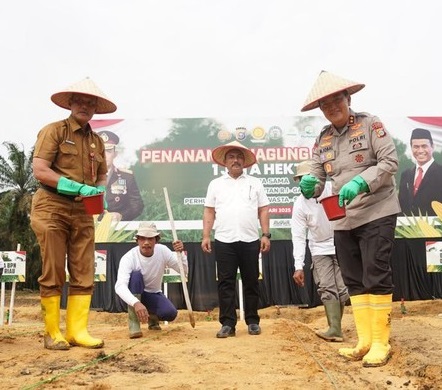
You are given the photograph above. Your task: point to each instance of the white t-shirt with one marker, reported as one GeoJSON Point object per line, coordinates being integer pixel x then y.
{"type": "Point", "coordinates": [152, 268]}
{"type": "Point", "coordinates": [310, 221]}
{"type": "Point", "coordinates": [236, 203]}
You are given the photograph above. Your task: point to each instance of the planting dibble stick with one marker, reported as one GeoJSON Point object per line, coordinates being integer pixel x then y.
{"type": "Point", "coordinates": [180, 260]}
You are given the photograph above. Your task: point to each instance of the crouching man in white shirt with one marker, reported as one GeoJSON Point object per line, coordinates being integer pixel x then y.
{"type": "Point", "coordinates": [139, 279]}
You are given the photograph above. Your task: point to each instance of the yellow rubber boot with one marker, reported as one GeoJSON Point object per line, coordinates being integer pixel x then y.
{"type": "Point", "coordinates": [76, 322]}
{"type": "Point", "coordinates": [50, 309]}
{"type": "Point", "coordinates": [361, 314]}
{"type": "Point", "coordinates": [380, 331]}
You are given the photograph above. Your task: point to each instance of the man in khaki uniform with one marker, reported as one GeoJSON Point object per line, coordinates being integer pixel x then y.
{"type": "Point", "coordinates": [357, 153]}
{"type": "Point", "coordinates": [69, 162]}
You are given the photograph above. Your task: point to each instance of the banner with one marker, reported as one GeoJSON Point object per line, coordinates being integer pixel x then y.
{"type": "Point", "coordinates": [434, 256]}
{"type": "Point", "coordinates": [176, 153]}
{"type": "Point", "coordinates": [14, 266]}
{"type": "Point", "coordinates": [100, 266]}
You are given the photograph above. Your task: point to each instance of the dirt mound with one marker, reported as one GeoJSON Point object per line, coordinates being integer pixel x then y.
{"type": "Point", "coordinates": [287, 355]}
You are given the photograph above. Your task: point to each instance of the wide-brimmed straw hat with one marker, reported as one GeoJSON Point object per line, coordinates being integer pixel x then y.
{"type": "Point", "coordinates": [219, 154]}
{"type": "Point", "coordinates": [328, 84]}
{"type": "Point", "coordinates": [147, 229]}
{"type": "Point", "coordinates": [302, 169]}
{"type": "Point", "coordinates": [85, 87]}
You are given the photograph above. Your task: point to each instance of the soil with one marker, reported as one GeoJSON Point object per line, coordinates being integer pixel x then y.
{"type": "Point", "coordinates": [287, 355]}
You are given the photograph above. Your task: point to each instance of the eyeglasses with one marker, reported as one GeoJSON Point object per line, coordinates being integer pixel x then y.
{"type": "Point", "coordinates": [91, 102]}
{"type": "Point", "coordinates": [336, 101]}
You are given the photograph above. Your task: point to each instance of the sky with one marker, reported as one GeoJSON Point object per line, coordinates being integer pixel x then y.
{"type": "Point", "coordinates": [161, 59]}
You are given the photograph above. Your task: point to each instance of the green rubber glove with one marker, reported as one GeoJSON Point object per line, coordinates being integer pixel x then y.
{"type": "Point", "coordinates": [307, 185]}
{"type": "Point", "coordinates": [70, 187]}
{"type": "Point", "coordinates": [103, 189]}
{"type": "Point", "coordinates": [350, 190]}
{"type": "Point", "coordinates": [88, 190]}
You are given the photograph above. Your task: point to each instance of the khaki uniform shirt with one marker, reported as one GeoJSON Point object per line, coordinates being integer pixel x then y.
{"type": "Point", "coordinates": [73, 154]}
{"type": "Point", "coordinates": [363, 148]}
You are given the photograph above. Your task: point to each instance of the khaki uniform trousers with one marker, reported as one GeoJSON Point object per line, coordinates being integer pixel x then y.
{"type": "Point", "coordinates": [63, 229]}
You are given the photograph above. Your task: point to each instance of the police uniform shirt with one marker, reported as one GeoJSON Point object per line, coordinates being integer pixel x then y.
{"type": "Point", "coordinates": [365, 148]}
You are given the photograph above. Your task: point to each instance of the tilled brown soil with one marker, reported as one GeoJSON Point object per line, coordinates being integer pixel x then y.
{"type": "Point", "coordinates": [287, 355]}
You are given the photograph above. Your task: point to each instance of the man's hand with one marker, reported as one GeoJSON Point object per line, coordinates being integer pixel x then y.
{"type": "Point", "coordinates": [142, 313]}
{"type": "Point", "coordinates": [307, 185]}
{"type": "Point", "coordinates": [71, 187]}
{"type": "Point", "coordinates": [265, 244]}
{"type": "Point", "coordinates": [206, 245]}
{"type": "Point", "coordinates": [178, 246]}
{"type": "Point", "coordinates": [86, 190]}
{"type": "Point", "coordinates": [298, 277]}
{"type": "Point", "coordinates": [350, 190]}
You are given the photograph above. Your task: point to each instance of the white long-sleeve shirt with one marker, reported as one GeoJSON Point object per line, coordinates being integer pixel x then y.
{"type": "Point", "coordinates": [152, 268]}
{"type": "Point", "coordinates": [310, 221]}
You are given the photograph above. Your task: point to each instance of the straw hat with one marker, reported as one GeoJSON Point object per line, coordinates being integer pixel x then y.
{"type": "Point", "coordinates": [86, 87]}
{"type": "Point", "coordinates": [302, 169]}
{"type": "Point", "coordinates": [147, 229]}
{"type": "Point", "coordinates": [327, 84]}
{"type": "Point", "coordinates": [219, 154]}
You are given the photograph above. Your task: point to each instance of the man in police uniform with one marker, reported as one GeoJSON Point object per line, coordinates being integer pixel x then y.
{"type": "Point", "coordinates": [358, 154]}
{"type": "Point", "coordinates": [122, 193]}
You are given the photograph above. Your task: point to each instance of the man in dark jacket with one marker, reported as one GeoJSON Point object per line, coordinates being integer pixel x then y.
{"type": "Point", "coordinates": [420, 185]}
{"type": "Point", "coordinates": [122, 193]}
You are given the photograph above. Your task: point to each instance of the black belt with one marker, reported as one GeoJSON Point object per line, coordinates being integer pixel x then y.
{"type": "Point", "coordinates": [54, 191]}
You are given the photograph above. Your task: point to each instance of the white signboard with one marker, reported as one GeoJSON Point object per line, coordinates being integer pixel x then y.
{"type": "Point", "coordinates": [14, 266]}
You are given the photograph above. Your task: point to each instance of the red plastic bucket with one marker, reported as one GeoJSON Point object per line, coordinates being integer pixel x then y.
{"type": "Point", "coordinates": [93, 203]}
{"type": "Point", "coordinates": [332, 208]}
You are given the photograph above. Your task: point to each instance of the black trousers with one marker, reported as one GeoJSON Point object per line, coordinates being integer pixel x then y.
{"type": "Point", "coordinates": [229, 257]}
{"type": "Point", "coordinates": [364, 256]}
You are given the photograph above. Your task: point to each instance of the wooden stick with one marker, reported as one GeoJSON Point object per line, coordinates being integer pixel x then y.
{"type": "Point", "coordinates": [12, 300]}
{"type": "Point", "coordinates": [2, 305]}
{"type": "Point", "coordinates": [180, 260]}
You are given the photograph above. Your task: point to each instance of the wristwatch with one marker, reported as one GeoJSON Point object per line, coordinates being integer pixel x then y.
{"type": "Point", "coordinates": [268, 235]}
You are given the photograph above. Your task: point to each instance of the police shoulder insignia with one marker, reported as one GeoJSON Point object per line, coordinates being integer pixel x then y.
{"type": "Point", "coordinates": [381, 133]}
{"type": "Point", "coordinates": [378, 127]}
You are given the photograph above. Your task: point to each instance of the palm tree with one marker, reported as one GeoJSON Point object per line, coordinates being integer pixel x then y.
{"type": "Point", "coordinates": [17, 186]}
